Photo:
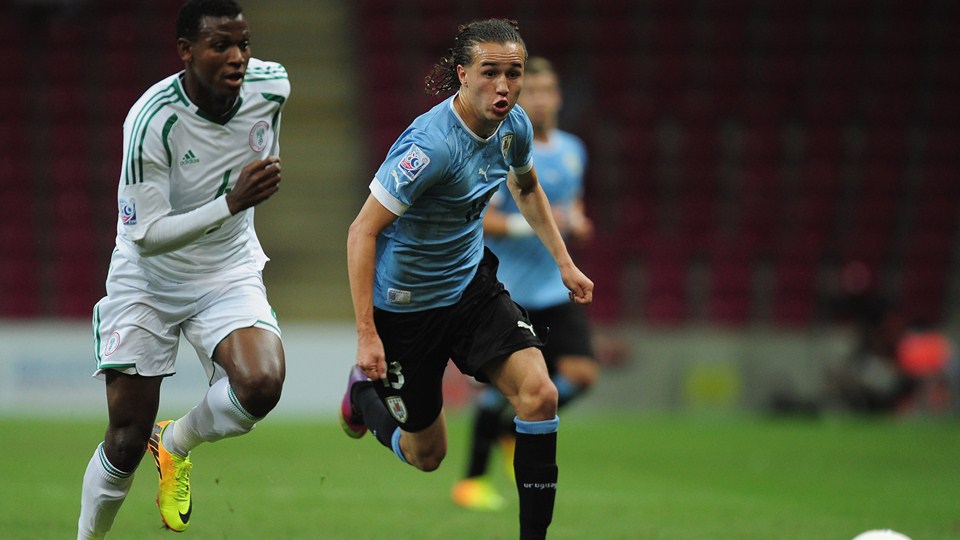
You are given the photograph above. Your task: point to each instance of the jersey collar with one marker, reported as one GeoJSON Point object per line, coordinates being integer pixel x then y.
{"type": "Point", "coordinates": [466, 127]}
{"type": "Point", "coordinates": [221, 120]}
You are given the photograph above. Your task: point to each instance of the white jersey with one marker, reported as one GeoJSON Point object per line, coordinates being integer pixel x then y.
{"type": "Point", "coordinates": [178, 158]}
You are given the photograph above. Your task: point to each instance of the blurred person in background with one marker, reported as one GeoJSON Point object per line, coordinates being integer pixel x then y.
{"type": "Point", "coordinates": [425, 288]}
{"type": "Point", "coordinates": [200, 151]}
{"type": "Point", "coordinates": [869, 379]}
{"type": "Point", "coordinates": [896, 365]}
{"type": "Point", "coordinates": [528, 271]}
{"type": "Point", "coordinates": [928, 360]}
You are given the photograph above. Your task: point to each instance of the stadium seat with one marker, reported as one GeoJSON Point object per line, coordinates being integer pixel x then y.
{"type": "Point", "coordinates": [824, 111]}
{"type": "Point", "coordinates": [731, 282]}
{"type": "Point", "coordinates": [760, 149]}
{"type": "Point", "coordinates": [611, 33]}
{"type": "Point", "coordinates": [888, 108]}
{"type": "Point", "coordinates": [922, 291]}
{"type": "Point", "coordinates": [940, 145]}
{"type": "Point", "coordinates": [19, 288]}
{"type": "Point", "coordinates": [65, 104]}
{"type": "Point", "coordinates": [602, 261]}
{"type": "Point", "coordinates": [120, 29]}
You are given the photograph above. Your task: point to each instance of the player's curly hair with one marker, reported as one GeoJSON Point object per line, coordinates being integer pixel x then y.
{"type": "Point", "coordinates": [192, 11]}
{"type": "Point", "coordinates": [443, 77]}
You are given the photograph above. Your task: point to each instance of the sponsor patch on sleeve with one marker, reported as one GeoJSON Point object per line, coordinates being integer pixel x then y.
{"type": "Point", "coordinates": [413, 162]}
{"type": "Point", "coordinates": [128, 211]}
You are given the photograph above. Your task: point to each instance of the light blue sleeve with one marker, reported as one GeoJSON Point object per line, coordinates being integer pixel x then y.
{"type": "Point", "coordinates": [582, 154]}
{"type": "Point", "coordinates": [414, 163]}
{"type": "Point", "coordinates": [521, 151]}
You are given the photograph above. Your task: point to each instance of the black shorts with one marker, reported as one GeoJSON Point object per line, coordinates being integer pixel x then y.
{"type": "Point", "coordinates": [485, 325]}
{"type": "Point", "coordinates": [565, 330]}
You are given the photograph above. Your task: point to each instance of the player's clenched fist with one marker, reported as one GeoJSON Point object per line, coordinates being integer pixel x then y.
{"type": "Point", "coordinates": [258, 181]}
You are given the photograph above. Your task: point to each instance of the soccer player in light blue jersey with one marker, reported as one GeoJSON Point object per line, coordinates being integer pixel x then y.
{"type": "Point", "coordinates": [425, 288]}
{"type": "Point", "coordinates": [527, 270]}
{"type": "Point", "coordinates": [200, 151]}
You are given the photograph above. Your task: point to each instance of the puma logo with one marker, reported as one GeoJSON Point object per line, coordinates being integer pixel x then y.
{"type": "Point", "coordinates": [528, 326]}
{"type": "Point", "coordinates": [483, 173]}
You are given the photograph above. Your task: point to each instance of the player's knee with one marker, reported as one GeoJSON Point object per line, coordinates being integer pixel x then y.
{"type": "Point", "coordinates": [430, 460]}
{"type": "Point", "coordinates": [258, 392]}
{"type": "Point", "coordinates": [125, 446]}
{"type": "Point", "coordinates": [538, 400]}
{"type": "Point", "coordinates": [426, 455]}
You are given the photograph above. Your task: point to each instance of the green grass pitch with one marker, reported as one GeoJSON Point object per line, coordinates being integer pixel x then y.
{"type": "Point", "coordinates": [622, 476]}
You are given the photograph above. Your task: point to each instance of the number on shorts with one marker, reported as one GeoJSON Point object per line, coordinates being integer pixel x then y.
{"type": "Point", "coordinates": [394, 369]}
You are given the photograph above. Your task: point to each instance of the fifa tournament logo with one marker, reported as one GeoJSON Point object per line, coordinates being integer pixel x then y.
{"type": "Point", "coordinates": [128, 211]}
{"type": "Point", "coordinates": [413, 163]}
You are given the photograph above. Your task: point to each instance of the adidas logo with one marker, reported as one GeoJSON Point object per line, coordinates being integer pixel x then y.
{"type": "Point", "coordinates": [189, 158]}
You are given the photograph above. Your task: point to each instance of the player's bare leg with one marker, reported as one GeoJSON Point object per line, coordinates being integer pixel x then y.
{"type": "Point", "coordinates": [132, 406]}
{"type": "Point", "coordinates": [254, 361]}
{"type": "Point", "coordinates": [361, 409]}
{"type": "Point", "coordinates": [523, 379]}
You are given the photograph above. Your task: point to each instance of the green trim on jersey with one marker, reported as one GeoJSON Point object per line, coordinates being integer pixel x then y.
{"type": "Point", "coordinates": [273, 97]}
{"type": "Point", "coordinates": [221, 120]}
{"type": "Point", "coordinates": [181, 92]}
{"type": "Point", "coordinates": [276, 99]}
{"type": "Point", "coordinates": [140, 126]}
{"type": "Point", "coordinates": [166, 133]}
{"type": "Point", "coordinates": [265, 73]}
{"type": "Point", "coordinates": [264, 78]}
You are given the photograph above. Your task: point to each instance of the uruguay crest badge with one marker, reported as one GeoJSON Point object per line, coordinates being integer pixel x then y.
{"type": "Point", "coordinates": [397, 408]}
{"type": "Point", "coordinates": [505, 143]}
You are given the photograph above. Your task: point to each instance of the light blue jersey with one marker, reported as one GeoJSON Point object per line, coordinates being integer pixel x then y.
{"type": "Point", "coordinates": [438, 177]}
{"type": "Point", "coordinates": [527, 269]}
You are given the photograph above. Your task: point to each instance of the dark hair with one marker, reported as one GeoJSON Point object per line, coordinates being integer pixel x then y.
{"type": "Point", "coordinates": [537, 65]}
{"type": "Point", "coordinates": [443, 77]}
{"type": "Point", "coordinates": [191, 13]}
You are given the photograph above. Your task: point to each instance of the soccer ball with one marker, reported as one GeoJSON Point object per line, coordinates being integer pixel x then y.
{"type": "Point", "coordinates": [881, 534]}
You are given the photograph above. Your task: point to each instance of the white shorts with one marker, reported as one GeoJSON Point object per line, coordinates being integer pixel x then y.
{"type": "Point", "coordinates": [137, 326]}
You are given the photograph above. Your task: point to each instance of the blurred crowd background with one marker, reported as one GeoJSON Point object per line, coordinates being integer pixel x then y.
{"type": "Point", "coordinates": [781, 165]}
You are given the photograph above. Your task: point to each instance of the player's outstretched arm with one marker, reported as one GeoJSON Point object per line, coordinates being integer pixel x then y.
{"type": "Point", "coordinates": [361, 265]}
{"type": "Point", "coordinates": [535, 207]}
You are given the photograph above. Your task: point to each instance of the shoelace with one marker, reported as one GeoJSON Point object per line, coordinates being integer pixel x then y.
{"type": "Point", "coordinates": [183, 470]}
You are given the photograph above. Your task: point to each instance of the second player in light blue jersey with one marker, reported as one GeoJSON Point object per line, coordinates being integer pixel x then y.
{"type": "Point", "coordinates": [425, 290]}
{"type": "Point", "coordinates": [439, 176]}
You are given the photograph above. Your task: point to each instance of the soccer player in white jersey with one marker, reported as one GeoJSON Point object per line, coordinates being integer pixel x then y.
{"type": "Point", "coordinates": [527, 270]}
{"type": "Point", "coordinates": [425, 288]}
{"type": "Point", "coordinates": [199, 152]}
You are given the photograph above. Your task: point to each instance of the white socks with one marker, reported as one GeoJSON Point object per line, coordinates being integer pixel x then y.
{"type": "Point", "coordinates": [104, 489]}
{"type": "Point", "coordinates": [217, 417]}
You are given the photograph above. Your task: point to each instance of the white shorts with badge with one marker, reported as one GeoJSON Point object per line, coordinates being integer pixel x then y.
{"type": "Point", "coordinates": [137, 326]}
